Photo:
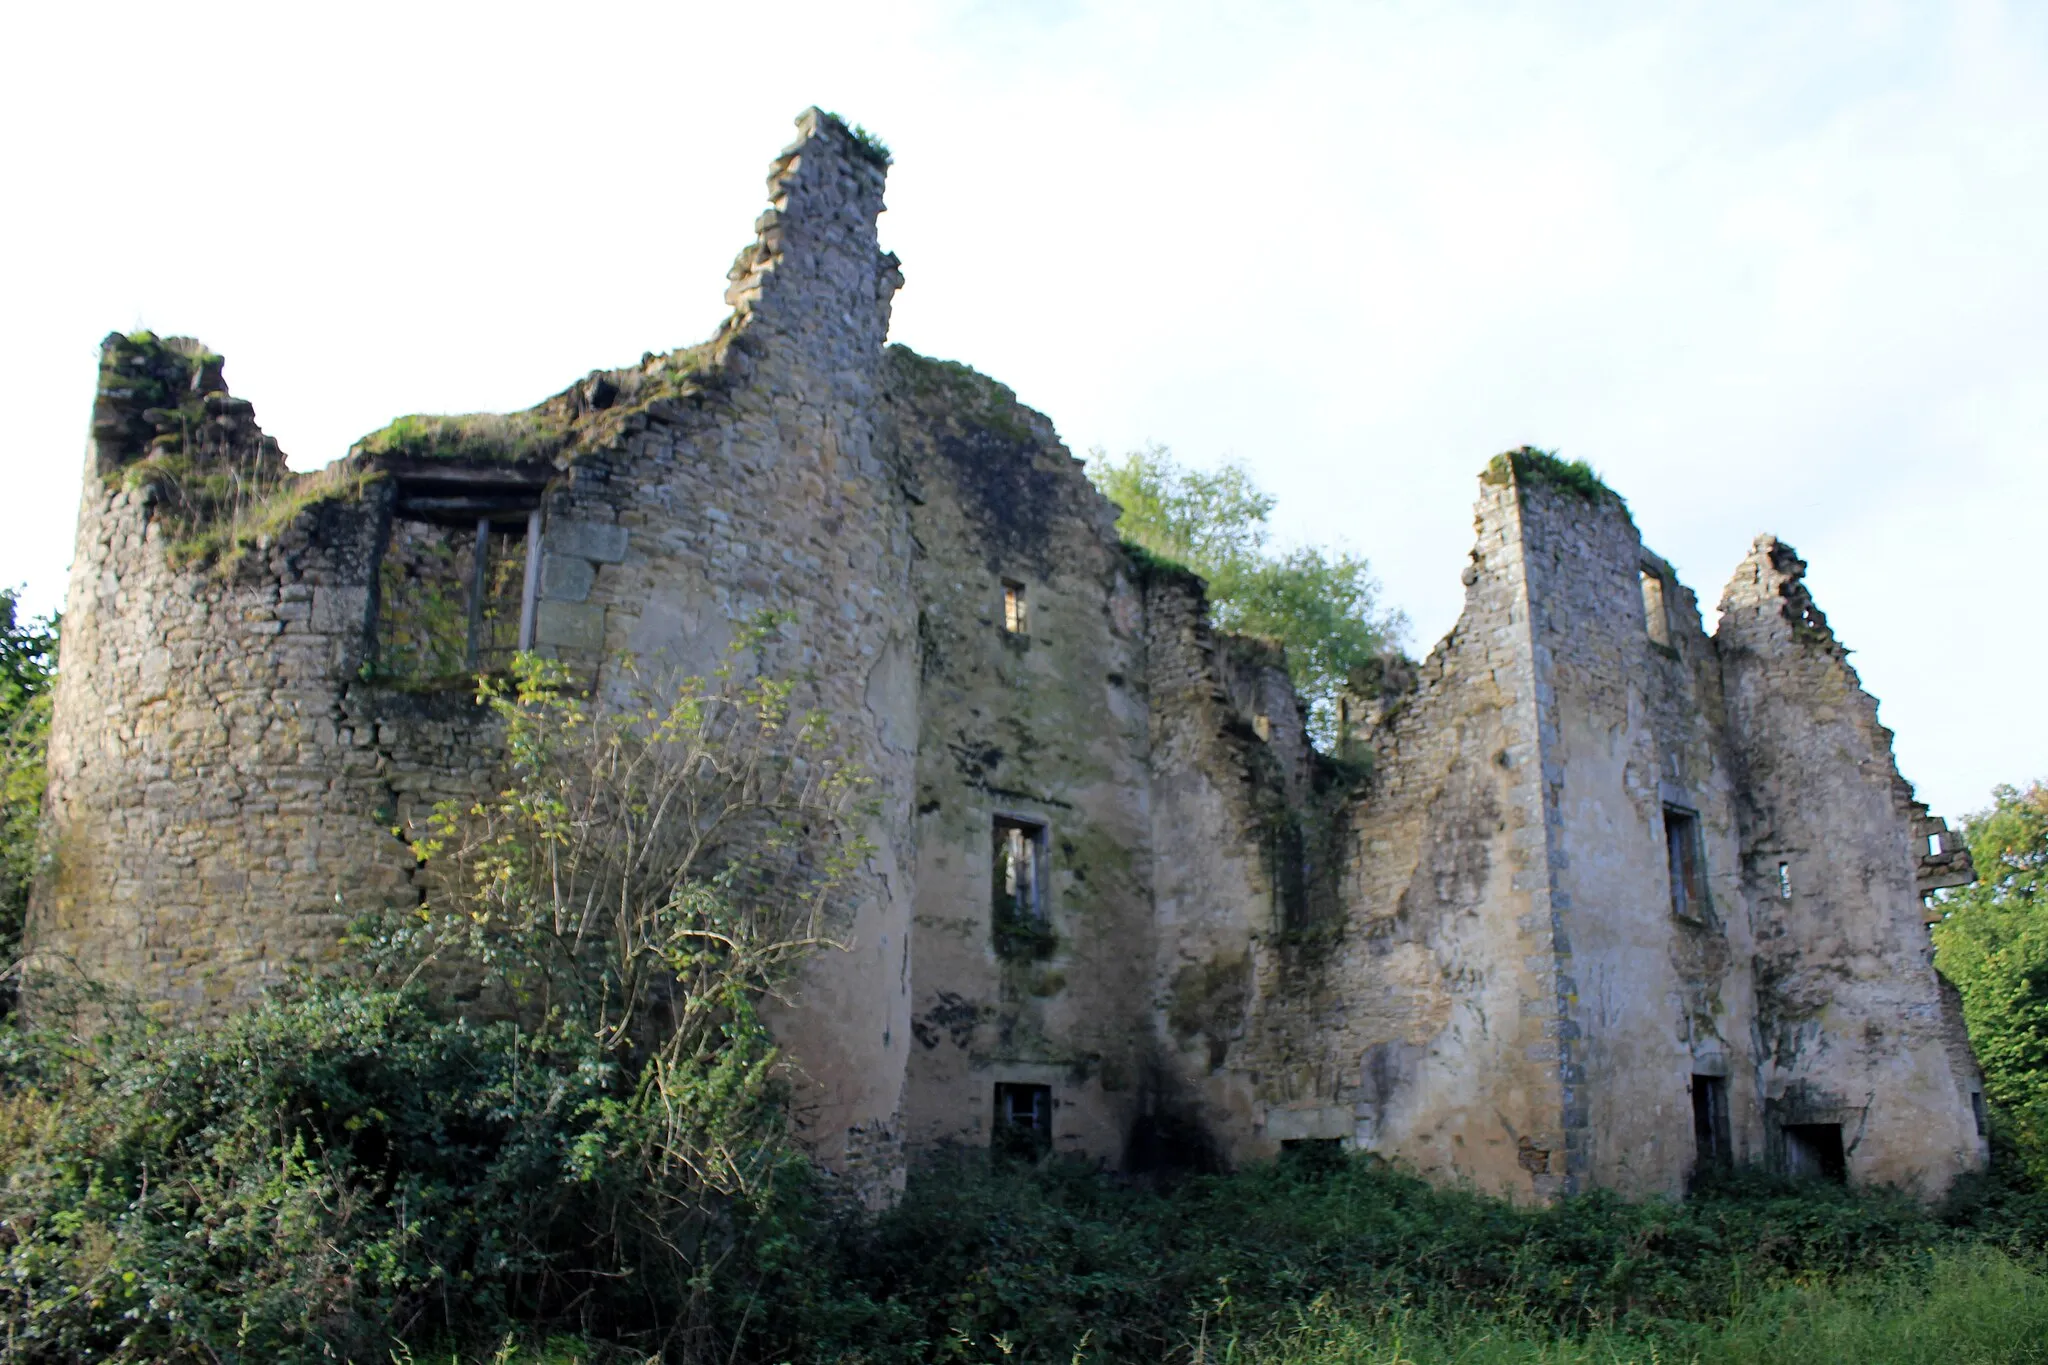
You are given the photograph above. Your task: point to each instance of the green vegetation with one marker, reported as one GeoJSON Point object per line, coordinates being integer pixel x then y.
{"type": "Point", "coordinates": [587, 415]}
{"type": "Point", "coordinates": [871, 146]}
{"type": "Point", "coordinates": [1992, 942]}
{"type": "Point", "coordinates": [964, 392]}
{"type": "Point", "coordinates": [344, 1169]}
{"type": "Point", "coordinates": [1527, 465]}
{"type": "Point", "coordinates": [594, 1147]}
{"type": "Point", "coordinates": [220, 523]}
{"type": "Point", "coordinates": [28, 668]}
{"type": "Point", "coordinates": [479, 436]}
{"type": "Point", "coordinates": [1322, 607]}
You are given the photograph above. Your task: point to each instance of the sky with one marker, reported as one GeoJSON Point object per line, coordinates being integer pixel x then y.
{"type": "Point", "coordinates": [1767, 267]}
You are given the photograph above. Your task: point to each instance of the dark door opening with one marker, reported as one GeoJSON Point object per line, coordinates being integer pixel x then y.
{"type": "Point", "coordinates": [1710, 1122]}
{"type": "Point", "coordinates": [1023, 1120]}
{"type": "Point", "coordinates": [1814, 1151]}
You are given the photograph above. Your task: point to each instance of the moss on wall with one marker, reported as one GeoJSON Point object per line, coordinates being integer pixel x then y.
{"type": "Point", "coordinates": [1527, 466]}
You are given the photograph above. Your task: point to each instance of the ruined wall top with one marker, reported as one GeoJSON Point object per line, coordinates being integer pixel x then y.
{"type": "Point", "coordinates": [816, 267]}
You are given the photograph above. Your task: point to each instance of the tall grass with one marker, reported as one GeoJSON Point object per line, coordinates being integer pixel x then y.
{"type": "Point", "coordinates": [1976, 1306]}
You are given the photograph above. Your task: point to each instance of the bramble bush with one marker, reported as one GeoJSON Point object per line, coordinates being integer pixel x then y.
{"type": "Point", "coordinates": [1044, 1258]}
{"type": "Point", "coordinates": [351, 1164]}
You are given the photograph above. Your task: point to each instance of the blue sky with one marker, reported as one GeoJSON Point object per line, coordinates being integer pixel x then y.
{"type": "Point", "coordinates": [1768, 267]}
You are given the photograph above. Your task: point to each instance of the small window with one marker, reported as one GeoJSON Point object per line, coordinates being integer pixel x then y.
{"type": "Point", "coordinates": [1262, 726]}
{"type": "Point", "coordinates": [1018, 923]}
{"type": "Point", "coordinates": [1023, 1120]}
{"type": "Point", "coordinates": [1289, 853]}
{"type": "Point", "coordinates": [1934, 845]}
{"type": "Point", "coordinates": [1784, 881]}
{"type": "Point", "coordinates": [1019, 857]}
{"type": "Point", "coordinates": [1688, 879]}
{"type": "Point", "coordinates": [1977, 1113]}
{"type": "Point", "coordinates": [1015, 619]}
{"type": "Point", "coordinates": [1710, 1121]}
{"type": "Point", "coordinates": [1656, 619]}
{"type": "Point", "coordinates": [1813, 1151]}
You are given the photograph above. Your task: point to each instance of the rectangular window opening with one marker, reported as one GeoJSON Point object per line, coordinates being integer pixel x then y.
{"type": "Point", "coordinates": [1023, 1120]}
{"type": "Point", "coordinates": [1977, 1113]}
{"type": "Point", "coordinates": [1934, 845]}
{"type": "Point", "coordinates": [455, 598]}
{"type": "Point", "coordinates": [1019, 866]}
{"type": "Point", "coordinates": [1015, 619]}
{"type": "Point", "coordinates": [1688, 877]}
{"type": "Point", "coordinates": [1784, 881]}
{"type": "Point", "coordinates": [1656, 619]}
{"type": "Point", "coordinates": [1289, 855]}
{"type": "Point", "coordinates": [1710, 1121]}
{"type": "Point", "coordinates": [1813, 1151]}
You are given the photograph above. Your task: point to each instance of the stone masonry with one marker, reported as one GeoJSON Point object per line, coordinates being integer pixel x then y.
{"type": "Point", "coordinates": [1589, 897]}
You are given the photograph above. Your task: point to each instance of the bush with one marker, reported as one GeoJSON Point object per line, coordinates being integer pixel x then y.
{"type": "Point", "coordinates": [1044, 1259]}
{"type": "Point", "coordinates": [28, 666]}
{"type": "Point", "coordinates": [347, 1165]}
{"type": "Point", "coordinates": [316, 1178]}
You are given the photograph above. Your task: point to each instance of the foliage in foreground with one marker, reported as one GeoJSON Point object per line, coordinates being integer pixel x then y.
{"type": "Point", "coordinates": [1992, 942]}
{"type": "Point", "coordinates": [1324, 608]}
{"type": "Point", "coordinates": [1043, 1259]}
{"type": "Point", "coordinates": [28, 667]}
{"type": "Point", "coordinates": [343, 1167]}
{"type": "Point", "coordinates": [348, 1163]}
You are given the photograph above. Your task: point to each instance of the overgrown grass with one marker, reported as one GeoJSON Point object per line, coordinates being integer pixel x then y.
{"type": "Point", "coordinates": [343, 1174]}
{"type": "Point", "coordinates": [1041, 1260]}
{"type": "Point", "coordinates": [1968, 1307]}
{"type": "Point", "coordinates": [1527, 465]}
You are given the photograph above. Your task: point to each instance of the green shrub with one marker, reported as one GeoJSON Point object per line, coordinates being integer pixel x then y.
{"type": "Point", "coordinates": [346, 1166]}
{"type": "Point", "coordinates": [317, 1176]}
{"type": "Point", "coordinates": [28, 670]}
{"type": "Point", "coordinates": [1043, 1259]}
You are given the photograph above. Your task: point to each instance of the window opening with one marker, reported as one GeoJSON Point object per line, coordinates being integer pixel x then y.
{"type": "Point", "coordinates": [1710, 1121]}
{"type": "Point", "coordinates": [1023, 1120]}
{"type": "Point", "coordinates": [1014, 619]}
{"type": "Point", "coordinates": [1814, 1151]}
{"type": "Point", "coordinates": [1289, 854]}
{"type": "Point", "coordinates": [1017, 888]}
{"type": "Point", "coordinates": [1656, 620]}
{"type": "Point", "coordinates": [455, 600]}
{"type": "Point", "coordinates": [1784, 881]}
{"type": "Point", "coordinates": [1682, 848]}
{"type": "Point", "coordinates": [1018, 849]}
{"type": "Point", "coordinates": [1977, 1112]}
{"type": "Point", "coordinates": [1262, 726]}
{"type": "Point", "coordinates": [1934, 845]}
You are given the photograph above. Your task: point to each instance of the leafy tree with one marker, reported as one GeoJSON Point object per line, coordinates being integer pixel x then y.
{"type": "Point", "coordinates": [28, 665]}
{"type": "Point", "coordinates": [1992, 942]}
{"type": "Point", "coordinates": [1322, 606]}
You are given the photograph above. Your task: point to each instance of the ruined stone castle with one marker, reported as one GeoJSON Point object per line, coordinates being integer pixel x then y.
{"type": "Point", "coordinates": [1589, 898]}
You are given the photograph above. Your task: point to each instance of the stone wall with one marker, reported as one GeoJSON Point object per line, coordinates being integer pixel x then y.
{"type": "Point", "coordinates": [1852, 1025]}
{"type": "Point", "coordinates": [1033, 711]}
{"type": "Point", "coordinates": [217, 811]}
{"type": "Point", "coordinates": [1650, 990]}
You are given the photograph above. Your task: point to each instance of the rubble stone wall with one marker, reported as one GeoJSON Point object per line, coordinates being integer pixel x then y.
{"type": "Point", "coordinates": [1851, 1026]}
{"type": "Point", "coordinates": [1649, 990]}
{"type": "Point", "coordinates": [217, 811]}
{"type": "Point", "coordinates": [1045, 725]}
